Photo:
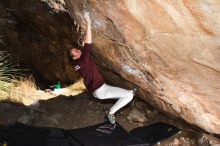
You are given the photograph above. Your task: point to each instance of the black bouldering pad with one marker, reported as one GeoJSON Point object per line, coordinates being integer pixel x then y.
{"type": "Point", "coordinates": [103, 134]}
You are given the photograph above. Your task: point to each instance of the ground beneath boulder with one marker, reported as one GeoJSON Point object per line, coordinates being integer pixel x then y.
{"type": "Point", "coordinates": [84, 110]}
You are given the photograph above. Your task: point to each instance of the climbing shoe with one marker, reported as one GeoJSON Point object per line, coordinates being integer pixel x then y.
{"type": "Point", "coordinates": [111, 118]}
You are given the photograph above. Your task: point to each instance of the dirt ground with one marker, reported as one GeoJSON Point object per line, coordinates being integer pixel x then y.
{"type": "Point", "coordinates": [79, 111]}
{"type": "Point", "coordinates": [83, 110]}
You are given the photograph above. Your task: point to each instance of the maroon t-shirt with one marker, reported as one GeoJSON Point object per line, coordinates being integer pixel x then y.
{"type": "Point", "coordinates": [88, 70]}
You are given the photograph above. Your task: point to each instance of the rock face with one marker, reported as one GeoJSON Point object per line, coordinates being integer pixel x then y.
{"type": "Point", "coordinates": [170, 49]}
{"type": "Point", "coordinates": [40, 35]}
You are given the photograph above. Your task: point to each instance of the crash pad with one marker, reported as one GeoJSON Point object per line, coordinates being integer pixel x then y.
{"type": "Point", "coordinates": [103, 134]}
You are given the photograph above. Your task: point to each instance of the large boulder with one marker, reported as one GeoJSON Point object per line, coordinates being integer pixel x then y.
{"type": "Point", "coordinates": [170, 49]}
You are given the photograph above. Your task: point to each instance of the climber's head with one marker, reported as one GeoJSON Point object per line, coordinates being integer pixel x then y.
{"type": "Point", "coordinates": [75, 53]}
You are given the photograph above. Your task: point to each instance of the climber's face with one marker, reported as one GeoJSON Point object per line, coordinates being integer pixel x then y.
{"type": "Point", "coordinates": [75, 53]}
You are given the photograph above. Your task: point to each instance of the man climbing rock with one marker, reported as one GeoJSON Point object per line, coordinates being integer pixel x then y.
{"type": "Point", "coordinates": [93, 80]}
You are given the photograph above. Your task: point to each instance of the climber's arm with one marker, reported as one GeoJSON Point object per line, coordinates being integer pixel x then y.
{"type": "Point", "coordinates": [88, 37]}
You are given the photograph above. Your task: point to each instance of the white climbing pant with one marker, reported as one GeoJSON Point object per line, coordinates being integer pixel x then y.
{"type": "Point", "coordinates": [109, 92]}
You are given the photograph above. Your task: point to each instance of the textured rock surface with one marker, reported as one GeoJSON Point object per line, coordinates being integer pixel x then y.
{"type": "Point", "coordinates": [168, 48]}
{"type": "Point", "coordinates": [40, 34]}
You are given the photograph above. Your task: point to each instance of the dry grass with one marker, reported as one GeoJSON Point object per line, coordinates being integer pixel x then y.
{"type": "Point", "coordinates": [8, 72]}
{"type": "Point", "coordinates": [76, 88]}
{"type": "Point", "coordinates": [26, 92]}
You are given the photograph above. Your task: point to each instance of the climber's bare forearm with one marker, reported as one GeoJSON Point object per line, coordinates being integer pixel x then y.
{"type": "Point", "coordinates": [88, 37]}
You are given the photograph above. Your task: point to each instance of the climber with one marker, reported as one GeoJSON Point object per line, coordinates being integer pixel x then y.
{"type": "Point", "coordinates": [83, 63]}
